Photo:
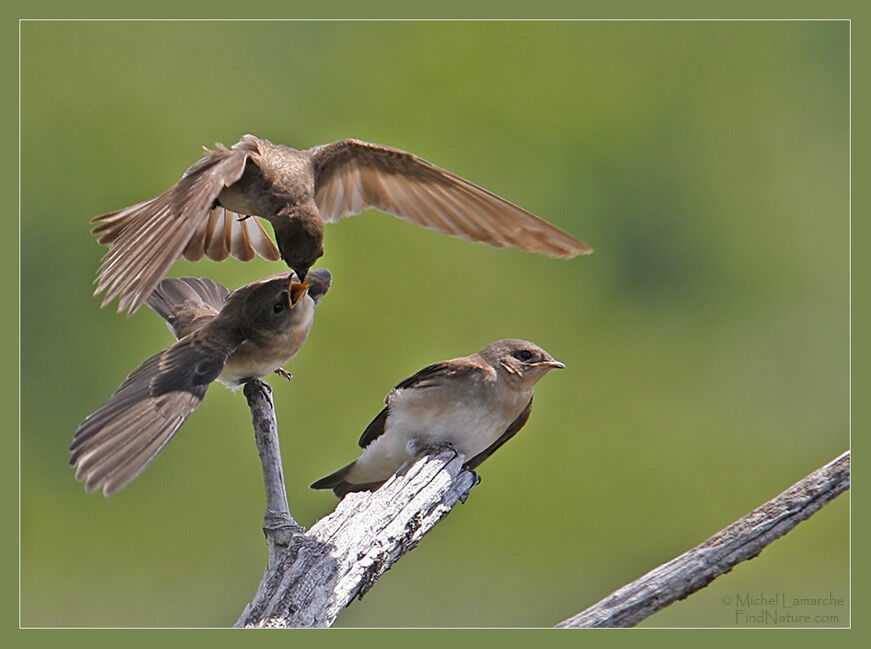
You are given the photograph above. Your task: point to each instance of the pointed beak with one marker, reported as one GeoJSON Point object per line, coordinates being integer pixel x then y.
{"type": "Point", "coordinates": [552, 364]}
{"type": "Point", "coordinates": [296, 291]}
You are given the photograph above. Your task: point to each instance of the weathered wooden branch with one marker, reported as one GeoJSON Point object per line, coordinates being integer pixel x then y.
{"type": "Point", "coordinates": [311, 576]}
{"type": "Point", "coordinates": [278, 524]}
{"type": "Point", "coordinates": [742, 540]}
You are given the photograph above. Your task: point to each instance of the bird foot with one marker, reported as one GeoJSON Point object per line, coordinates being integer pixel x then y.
{"type": "Point", "coordinates": [417, 448]}
{"type": "Point", "coordinates": [283, 372]}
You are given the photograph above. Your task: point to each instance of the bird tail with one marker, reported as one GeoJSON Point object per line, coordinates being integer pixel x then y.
{"type": "Point", "coordinates": [182, 300]}
{"type": "Point", "coordinates": [340, 486]}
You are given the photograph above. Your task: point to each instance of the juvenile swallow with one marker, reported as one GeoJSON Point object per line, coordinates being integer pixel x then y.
{"type": "Point", "coordinates": [473, 404]}
{"type": "Point", "coordinates": [228, 337]}
{"type": "Point", "coordinates": [206, 212]}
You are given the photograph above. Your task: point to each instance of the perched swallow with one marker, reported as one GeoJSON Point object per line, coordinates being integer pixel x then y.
{"type": "Point", "coordinates": [229, 337]}
{"type": "Point", "coordinates": [205, 212]}
{"type": "Point", "coordinates": [473, 404]}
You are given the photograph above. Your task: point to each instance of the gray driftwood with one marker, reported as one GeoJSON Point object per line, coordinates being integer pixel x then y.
{"type": "Point", "coordinates": [311, 576]}
{"type": "Point", "coordinates": [742, 540]}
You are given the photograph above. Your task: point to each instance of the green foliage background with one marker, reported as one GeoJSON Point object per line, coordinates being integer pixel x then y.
{"type": "Point", "coordinates": [706, 339]}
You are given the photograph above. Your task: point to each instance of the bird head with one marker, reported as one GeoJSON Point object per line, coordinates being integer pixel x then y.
{"type": "Point", "coordinates": [521, 362]}
{"type": "Point", "coordinates": [301, 239]}
{"type": "Point", "coordinates": [275, 304]}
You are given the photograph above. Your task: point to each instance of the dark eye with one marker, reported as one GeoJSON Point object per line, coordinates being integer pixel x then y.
{"type": "Point", "coordinates": [522, 355]}
{"type": "Point", "coordinates": [278, 307]}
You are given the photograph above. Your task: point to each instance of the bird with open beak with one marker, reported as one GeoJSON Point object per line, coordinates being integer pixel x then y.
{"type": "Point", "coordinates": [472, 404]}
{"type": "Point", "coordinates": [231, 337]}
{"type": "Point", "coordinates": [206, 212]}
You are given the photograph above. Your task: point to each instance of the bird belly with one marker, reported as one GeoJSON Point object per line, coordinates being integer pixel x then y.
{"type": "Point", "coordinates": [469, 426]}
{"type": "Point", "coordinates": [468, 429]}
{"type": "Point", "coordinates": [256, 358]}
{"type": "Point", "coordinates": [255, 193]}
{"type": "Point", "coordinates": [248, 362]}
{"type": "Point", "coordinates": [254, 197]}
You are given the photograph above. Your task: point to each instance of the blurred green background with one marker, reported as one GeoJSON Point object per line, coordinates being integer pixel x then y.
{"type": "Point", "coordinates": [706, 339]}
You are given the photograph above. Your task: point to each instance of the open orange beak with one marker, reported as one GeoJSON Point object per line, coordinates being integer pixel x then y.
{"type": "Point", "coordinates": [296, 291]}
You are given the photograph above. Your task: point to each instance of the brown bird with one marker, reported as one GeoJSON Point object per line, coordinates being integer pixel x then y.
{"type": "Point", "coordinates": [229, 337]}
{"type": "Point", "coordinates": [473, 404]}
{"type": "Point", "coordinates": [297, 191]}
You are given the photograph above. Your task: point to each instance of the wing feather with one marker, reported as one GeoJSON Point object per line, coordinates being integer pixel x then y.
{"type": "Point", "coordinates": [116, 442]}
{"type": "Point", "coordinates": [145, 239]}
{"type": "Point", "coordinates": [242, 237]}
{"type": "Point", "coordinates": [433, 375]}
{"type": "Point", "coordinates": [216, 241]}
{"type": "Point", "coordinates": [260, 242]}
{"type": "Point", "coordinates": [187, 303]}
{"type": "Point", "coordinates": [240, 246]}
{"type": "Point", "coordinates": [351, 176]}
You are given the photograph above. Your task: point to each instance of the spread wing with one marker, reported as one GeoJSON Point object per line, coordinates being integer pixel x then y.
{"type": "Point", "coordinates": [115, 443]}
{"type": "Point", "coordinates": [145, 239]}
{"type": "Point", "coordinates": [510, 432]}
{"type": "Point", "coordinates": [351, 176]}
{"type": "Point", "coordinates": [429, 377]}
{"type": "Point", "coordinates": [187, 303]}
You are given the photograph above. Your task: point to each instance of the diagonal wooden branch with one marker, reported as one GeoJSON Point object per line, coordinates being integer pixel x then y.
{"type": "Point", "coordinates": [698, 567]}
{"type": "Point", "coordinates": [311, 576]}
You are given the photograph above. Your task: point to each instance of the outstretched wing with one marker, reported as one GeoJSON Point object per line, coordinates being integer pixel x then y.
{"type": "Point", "coordinates": [145, 239]}
{"type": "Point", "coordinates": [351, 176]}
{"type": "Point", "coordinates": [187, 303]}
{"type": "Point", "coordinates": [115, 443]}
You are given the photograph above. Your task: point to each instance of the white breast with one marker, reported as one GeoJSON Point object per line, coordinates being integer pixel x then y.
{"type": "Point", "coordinates": [470, 422]}
{"type": "Point", "coordinates": [253, 360]}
